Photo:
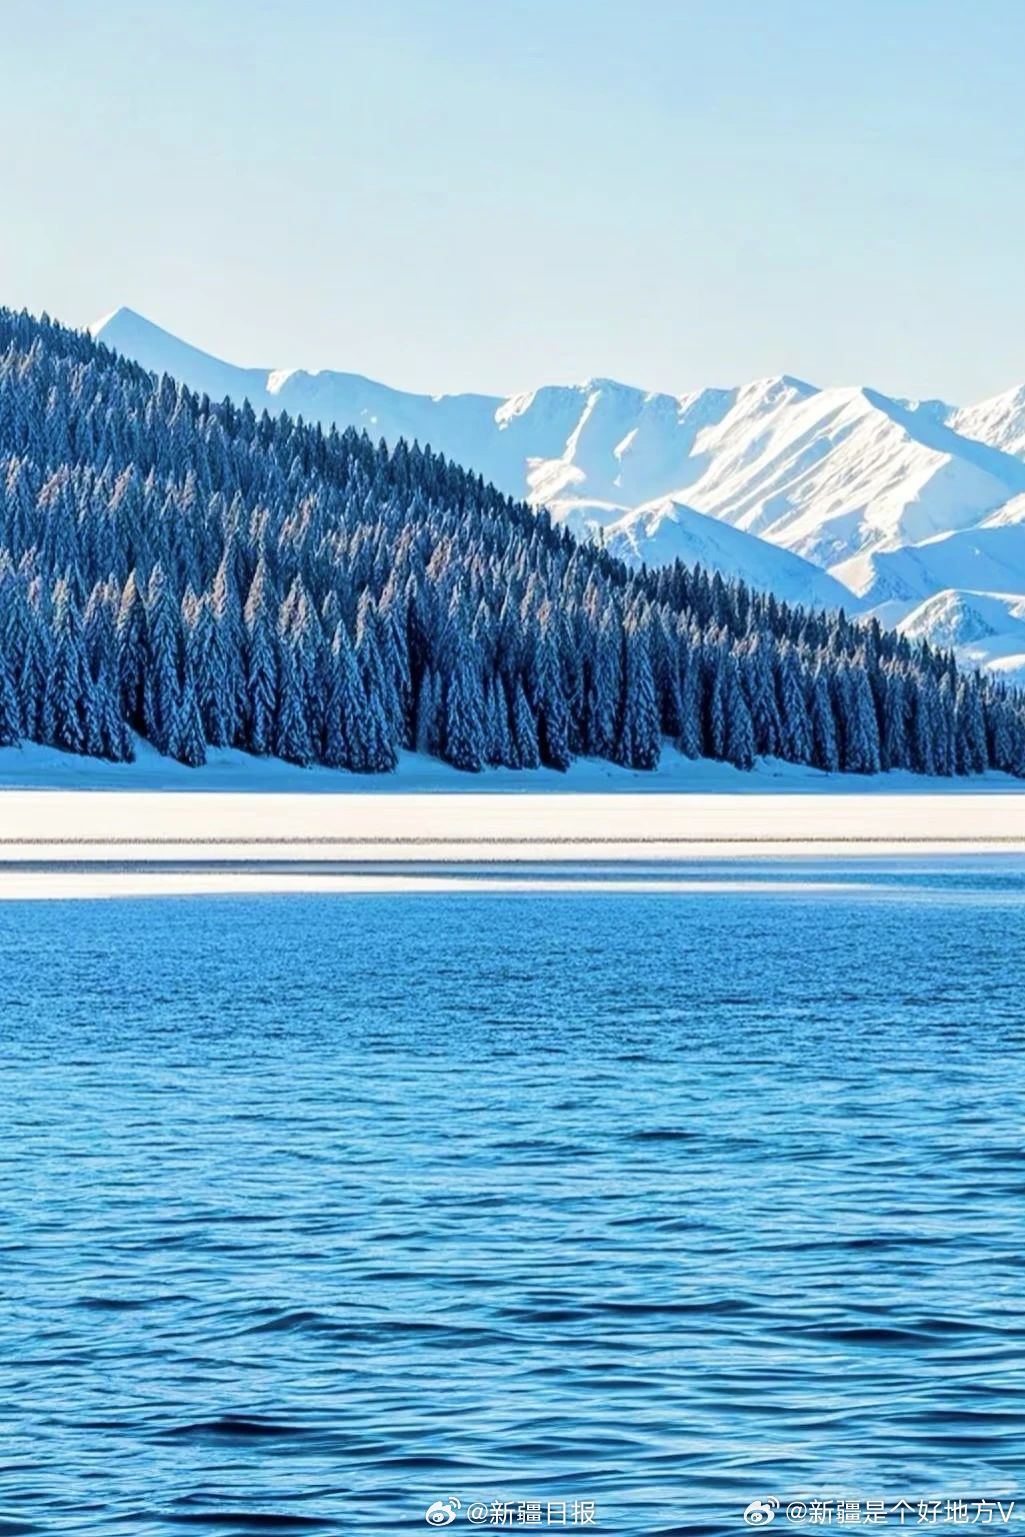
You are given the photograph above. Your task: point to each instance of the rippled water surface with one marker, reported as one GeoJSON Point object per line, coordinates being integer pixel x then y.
{"type": "Point", "coordinates": [314, 1210]}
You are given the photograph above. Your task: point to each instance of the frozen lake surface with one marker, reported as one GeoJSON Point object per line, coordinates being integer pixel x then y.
{"type": "Point", "coordinates": [317, 1209]}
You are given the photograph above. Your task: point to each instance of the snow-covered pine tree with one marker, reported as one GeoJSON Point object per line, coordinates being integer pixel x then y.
{"type": "Point", "coordinates": [463, 730]}
{"type": "Point", "coordinates": [740, 736]}
{"type": "Point", "coordinates": [68, 682]}
{"type": "Point", "coordinates": [527, 753]}
{"type": "Point", "coordinates": [755, 667]}
{"type": "Point", "coordinates": [604, 692]}
{"type": "Point", "coordinates": [261, 660]}
{"type": "Point", "coordinates": [180, 524]}
{"type": "Point", "coordinates": [640, 730]}
{"type": "Point", "coordinates": [346, 742]}
{"type": "Point", "coordinates": [549, 695]}
{"type": "Point", "coordinates": [161, 675]}
{"type": "Point", "coordinates": [689, 662]}
{"type": "Point", "coordinates": [428, 730]}
{"type": "Point", "coordinates": [796, 740]}
{"type": "Point", "coordinates": [381, 713]}
{"type": "Point", "coordinates": [825, 747]}
{"type": "Point", "coordinates": [714, 672]}
{"type": "Point", "coordinates": [10, 715]}
{"type": "Point", "coordinates": [131, 648]}
{"type": "Point", "coordinates": [186, 738]}
{"type": "Point", "coordinates": [893, 748]}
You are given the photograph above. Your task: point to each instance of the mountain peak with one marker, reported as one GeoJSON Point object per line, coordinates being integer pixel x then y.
{"type": "Point", "coordinates": [123, 315]}
{"type": "Point", "coordinates": [96, 327]}
{"type": "Point", "coordinates": [123, 323]}
{"type": "Point", "coordinates": [779, 384]}
{"type": "Point", "coordinates": [892, 498]}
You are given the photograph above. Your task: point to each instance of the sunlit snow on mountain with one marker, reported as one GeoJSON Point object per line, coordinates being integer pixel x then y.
{"type": "Point", "coordinates": [824, 496]}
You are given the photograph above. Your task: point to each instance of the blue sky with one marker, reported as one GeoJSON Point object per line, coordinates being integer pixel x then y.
{"type": "Point", "coordinates": [455, 194]}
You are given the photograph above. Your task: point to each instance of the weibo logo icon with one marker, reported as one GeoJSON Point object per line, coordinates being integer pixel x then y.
{"type": "Point", "coordinates": [442, 1512]}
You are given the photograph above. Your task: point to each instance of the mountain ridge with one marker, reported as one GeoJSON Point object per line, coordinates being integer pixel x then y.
{"type": "Point", "coordinates": [847, 480]}
{"type": "Point", "coordinates": [172, 570]}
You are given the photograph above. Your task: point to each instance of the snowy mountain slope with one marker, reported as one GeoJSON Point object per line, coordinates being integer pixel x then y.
{"type": "Point", "coordinates": [839, 471]}
{"type": "Point", "coordinates": [999, 421]}
{"type": "Point", "coordinates": [348, 399]}
{"type": "Point", "coordinates": [825, 473]}
{"type": "Point", "coordinates": [985, 629]}
{"type": "Point", "coordinates": [794, 488]}
{"type": "Point", "coordinates": [989, 557]}
{"type": "Point", "coordinates": [663, 531]}
{"type": "Point", "coordinates": [600, 441]}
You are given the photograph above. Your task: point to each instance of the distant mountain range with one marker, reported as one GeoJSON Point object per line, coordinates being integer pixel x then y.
{"type": "Point", "coordinates": [913, 510]}
{"type": "Point", "coordinates": [186, 573]}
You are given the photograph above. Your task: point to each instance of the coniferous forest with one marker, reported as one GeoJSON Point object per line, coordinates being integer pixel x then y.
{"type": "Point", "coordinates": [188, 571]}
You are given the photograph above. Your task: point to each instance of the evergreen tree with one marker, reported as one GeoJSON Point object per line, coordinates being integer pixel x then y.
{"type": "Point", "coordinates": [922, 728]}
{"type": "Point", "coordinates": [498, 749]}
{"type": "Point", "coordinates": [689, 740]}
{"type": "Point", "coordinates": [640, 734]}
{"type": "Point", "coordinates": [346, 743]}
{"type": "Point", "coordinates": [379, 709]}
{"type": "Point", "coordinates": [740, 735]}
{"type": "Point", "coordinates": [759, 689]}
{"type": "Point", "coordinates": [603, 695]}
{"type": "Point", "coordinates": [193, 572]}
{"type": "Point", "coordinates": [161, 680]}
{"type": "Point", "coordinates": [68, 682]}
{"type": "Point", "coordinates": [131, 646]}
{"type": "Point", "coordinates": [971, 730]}
{"type": "Point", "coordinates": [261, 663]}
{"type": "Point", "coordinates": [429, 732]}
{"type": "Point", "coordinates": [796, 740]}
{"type": "Point", "coordinates": [552, 711]}
{"type": "Point", "coordinates": [10, 715]}
{"type": "Point", "coordinates": [186, 739]}
{"type": "Point", "coordinates": [528, 755]}
{"type": "Point", "coordinates": [715, 701]}
{"type": "Point", "coordinates": [894, 749]}
{"type": "Point", "coordinates": [823, 723]}
{"type": "Point", "coordinates": [464, 711]}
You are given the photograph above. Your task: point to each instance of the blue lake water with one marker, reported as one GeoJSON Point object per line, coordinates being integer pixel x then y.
{"type": "Point", "coordinates": [315, 1210]}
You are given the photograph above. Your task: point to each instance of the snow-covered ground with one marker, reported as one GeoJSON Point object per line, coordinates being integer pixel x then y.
{"type": "Point", "coordinates": [70, 827]}
{"type": "Point", "coordinates": [31, 767]}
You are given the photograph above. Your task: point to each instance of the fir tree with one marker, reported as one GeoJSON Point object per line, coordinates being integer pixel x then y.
{"type": "Point", "coordinates": [463, 718]}
{"type": "Point", "coordinates": [261, 664]}
{"type": "Point", "coordinates": [10, 715]}
{"type": "Point", "coordinates": [524, 733]}
{"type": "Point", "coordinates": [68, 681]}
{"type": "Point", "coordinates": [740, 736]}
{"type": "Point", "coordinates": [689, 740]}
{"type": "Point", "coordinates": [823, 723]}
{"type": "Point", "coordinates": [640, 732]}
{"type": "Point", "coordinates": [188, 570]}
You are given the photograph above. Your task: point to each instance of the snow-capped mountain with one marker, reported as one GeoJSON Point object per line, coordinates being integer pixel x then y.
{"type": "Point", "coordinates": [999, 421]}
{"type": "Point", "coordinates": [596, 454]}
{"type": "Point", "coordinates": [662, 531]}
{"type": "Point", "coordinates": [822, 495]}
{"type": "Point", "coordinates": [986, 629]}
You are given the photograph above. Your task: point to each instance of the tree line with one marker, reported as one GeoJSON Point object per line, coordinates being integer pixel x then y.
{"type": "Point", "coordinates": [193, 573]}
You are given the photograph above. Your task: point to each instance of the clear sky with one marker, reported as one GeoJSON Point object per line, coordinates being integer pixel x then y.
{"type": "Point", "coordinates": [454, 194]}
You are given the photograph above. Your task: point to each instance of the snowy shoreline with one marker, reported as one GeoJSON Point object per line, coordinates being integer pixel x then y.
{"type": "Point", "coordinates": [75, 827]}
{"type": "Point", "coordinates": [57, 842]}
{"type": "Point", "coordinates": [46, 769]}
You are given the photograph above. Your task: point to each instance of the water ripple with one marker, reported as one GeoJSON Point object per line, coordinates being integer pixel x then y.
{"type": "Point", "coordinates": [314, 1210]}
